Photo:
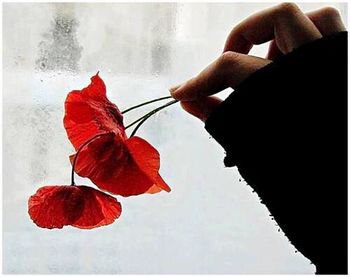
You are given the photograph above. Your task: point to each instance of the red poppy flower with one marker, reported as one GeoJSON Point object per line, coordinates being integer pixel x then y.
{"type": "Point", "coordinates": [88, 112]}
{"type": "Point", "coordinates": [126, 168]}
{"type": "Point", "coordinates": [115, 163]}
{"type": "Point", "coordinates": [80, 206]}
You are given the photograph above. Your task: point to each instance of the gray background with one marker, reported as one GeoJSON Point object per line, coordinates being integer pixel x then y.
{"type": "Point", "coordinates": [211, 222]}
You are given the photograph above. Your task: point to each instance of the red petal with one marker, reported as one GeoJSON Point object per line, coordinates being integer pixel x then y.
{"type": "Point", "coordinates": [96, 90]}
{"type": "Point", "coordinates": [89, 112]}
{"type": "Point", "coordinates": [55, 206]}
{"type": "Point", "coordinates": [80, 206]}
{"type": "Point", "coordinates": [161, 184]}
{"type": "Point", "coordinates": [147, 157]}
{"type": "Point", "coordinates": [99, 209]}
{"type": "Point", "coordinates": [109, 165]}
{"type": "Point", "coordinates": [154, 189]}
{"type": "Point", "coordinates": [119, 168]}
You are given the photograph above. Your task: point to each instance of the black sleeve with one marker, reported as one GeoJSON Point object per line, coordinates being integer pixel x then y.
{"type": "Point", "coordinates": [285, 128]}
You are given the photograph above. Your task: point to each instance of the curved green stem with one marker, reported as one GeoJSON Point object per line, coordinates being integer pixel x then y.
{"type": "Point", "coordinates": [78, 151]}
{"type": "Point", "coordinates": [145, 117]}
{"type": "Point", "coordinates": [151, 113]}
{"type": "Point", "coordinates": [145, 103]}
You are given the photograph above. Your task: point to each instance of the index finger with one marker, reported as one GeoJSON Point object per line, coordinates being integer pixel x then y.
{"type": "Point", "coordinates": [228, 70]}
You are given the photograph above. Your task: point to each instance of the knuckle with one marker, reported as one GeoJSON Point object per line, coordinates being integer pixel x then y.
{"type": "Point", "coordinates": [227, 63]}
{"type": "Point", "coordinates": [227, 58]}
{"type": "Point", "coordinates": [287, 9]}
{"type": "Point", "coordinates": [330, 12]}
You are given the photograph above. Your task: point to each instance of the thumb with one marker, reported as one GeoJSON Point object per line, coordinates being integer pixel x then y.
{"type": "Point", "coordinates": [201, 108]}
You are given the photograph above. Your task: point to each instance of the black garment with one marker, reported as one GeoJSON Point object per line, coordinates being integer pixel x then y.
{"type": "Point", "coordinates": [285, 128]}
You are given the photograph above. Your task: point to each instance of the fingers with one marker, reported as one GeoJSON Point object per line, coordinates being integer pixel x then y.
{"type": "Point", "coordinates": [273, 51]}
{"type": "Point", "coordinates": [228, 70]}
{"type": "Point", "coordinates": [285, 23]}
{"type": "Point", "coordinates": [327, 20]}
{"type": "Point", "coordinates": [201, 108]}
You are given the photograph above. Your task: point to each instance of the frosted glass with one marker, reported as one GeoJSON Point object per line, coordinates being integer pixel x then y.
{"type": "Point", "coordinates": [211, 222]}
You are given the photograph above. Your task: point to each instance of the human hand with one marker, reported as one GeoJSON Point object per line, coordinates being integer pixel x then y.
{"type": "Point", "coordinates": [284, 25]}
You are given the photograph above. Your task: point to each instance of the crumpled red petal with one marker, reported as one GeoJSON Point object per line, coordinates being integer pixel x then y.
{"type": "Point", "coordinates": [124, 168]}
{"type": "Point", "coordinates": [80, 206]}
{"type": "Point", "coordinates": [89, 112]}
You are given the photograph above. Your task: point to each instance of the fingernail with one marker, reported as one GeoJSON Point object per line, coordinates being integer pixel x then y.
{"type": "Point", "coordinates": [174, 88]}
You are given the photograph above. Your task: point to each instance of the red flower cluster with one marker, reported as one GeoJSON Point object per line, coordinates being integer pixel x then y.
{"type": "Point", "coordinates": [112, 161]}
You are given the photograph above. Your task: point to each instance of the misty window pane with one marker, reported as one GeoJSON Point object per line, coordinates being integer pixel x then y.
{"type": "Point", "coordinates": [211, 221]}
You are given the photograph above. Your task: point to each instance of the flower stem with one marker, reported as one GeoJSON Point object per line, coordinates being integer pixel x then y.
{"type": "Point", "coordinates": [151, 113]}
{"type": "Point", "coordinates": [148, 115]}
{"type": "Point", "coordinates": [78, 151]}
{"type": "Point", "coordinates": [145, 103]}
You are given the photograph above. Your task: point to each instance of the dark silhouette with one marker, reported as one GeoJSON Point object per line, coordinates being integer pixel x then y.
{"type": "Point", "coordinates": [285, 128]}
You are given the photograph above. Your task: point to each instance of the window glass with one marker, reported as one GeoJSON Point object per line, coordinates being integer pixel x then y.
{"type": "Point", "coordinates": [211, 221]}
